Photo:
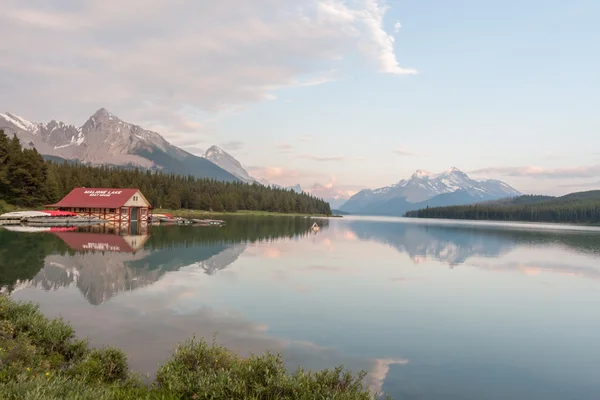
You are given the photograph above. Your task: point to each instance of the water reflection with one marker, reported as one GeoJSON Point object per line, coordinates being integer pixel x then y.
{"type": "Point", "coordinates": [430, 311]}
{"type": "Point", "coordinates": [455, 244]}
{"type": "Point", "coordinates": [102, 261]}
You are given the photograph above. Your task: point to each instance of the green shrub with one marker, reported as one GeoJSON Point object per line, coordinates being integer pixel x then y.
{"type": "Point", "coordinates": [198, 370]}
{"type": "Point", "coordinates": [107, 365]}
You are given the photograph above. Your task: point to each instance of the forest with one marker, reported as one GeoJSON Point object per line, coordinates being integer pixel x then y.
{"type": "Point", "coordinates": [27, 180]}
{"type": "Point", "coordinates": [580, 207]}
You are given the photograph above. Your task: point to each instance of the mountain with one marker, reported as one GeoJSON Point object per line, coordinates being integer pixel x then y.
{"type": "Point", "coordinates": [104, 139]}
{"type": "Point", "coordinates": [226, 161]}
{"type": "Point", "coordinates": [335, 197]}
{"type": "Point", "coordinates": [424, 189]}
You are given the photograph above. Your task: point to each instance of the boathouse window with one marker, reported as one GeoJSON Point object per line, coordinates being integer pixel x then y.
{"type": "Point", "coordinates": [111, 210]}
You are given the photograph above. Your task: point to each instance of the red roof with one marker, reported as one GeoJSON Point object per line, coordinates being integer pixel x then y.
{"type": "Point", "coordinates": [96, 198]}
{"type": "Point", "coordinates": [84, 241]}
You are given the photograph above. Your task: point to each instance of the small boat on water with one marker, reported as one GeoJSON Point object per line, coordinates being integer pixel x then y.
{"type": "Point", "coordinates": [315, 227]}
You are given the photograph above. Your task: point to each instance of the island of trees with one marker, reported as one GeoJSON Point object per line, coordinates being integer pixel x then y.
{"type": "Point", "coordinates": [580, 207]}
{"type": "Point", "coordinates": [28, 180]}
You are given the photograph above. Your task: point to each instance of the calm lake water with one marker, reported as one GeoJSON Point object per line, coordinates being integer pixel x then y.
{"type": "Point", "coordinates": [431, 309]}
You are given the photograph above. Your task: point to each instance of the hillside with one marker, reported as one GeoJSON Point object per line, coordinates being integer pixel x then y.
{"type": "Point", "coordinates": [579, 207]}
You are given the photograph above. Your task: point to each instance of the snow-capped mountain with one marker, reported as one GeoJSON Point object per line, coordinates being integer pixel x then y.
{"type": "Point", "coordinates": [105, 139]}
{"type": "Point", "coordinates": [226, 161]}
{"type": "Point", "coordinates": [422, 189]}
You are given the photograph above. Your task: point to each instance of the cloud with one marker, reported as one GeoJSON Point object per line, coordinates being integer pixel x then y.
{"type": "Point", "coordinates": [285, 148]}
{"type": "Point", "coordinates": [195, 150]}
{"type": "Point", "coordinates": [397, 27]}
{"type": "Point", "coordinates": [376, 43]}
{"type": "Point", "coordinates": [171, 61]}
{"type": "Point", "coordinates": [582, 185]}
{"type": "Point", "coordinates": [306, 138]}
{"type": "Point", "coordinates": [405, 153]}
{"type": "Point", "coordinates": [283, 176]}
{"type": "Point", "coordinates": [233, 145]}
{"type": "Point", "coordinates": [323, 159]}
{"type": "Point", "coordinates": [590, 171]}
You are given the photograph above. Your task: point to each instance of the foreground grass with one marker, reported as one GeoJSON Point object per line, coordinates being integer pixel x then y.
{"type": "Point", "coordinates": [203, 214]}
{"type": "Point", "coordinates": [41, 359]}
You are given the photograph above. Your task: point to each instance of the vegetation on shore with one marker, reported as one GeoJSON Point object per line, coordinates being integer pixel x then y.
{"type": "Point", "coordinates": [27, 180]}
{"type": "Point", "coordinates": [580, 207]}
{"type": "Point", "coordinates": [41, 359]}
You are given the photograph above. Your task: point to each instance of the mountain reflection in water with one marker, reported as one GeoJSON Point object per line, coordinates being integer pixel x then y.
{"type": "Point", "coordinates": [431, 310]}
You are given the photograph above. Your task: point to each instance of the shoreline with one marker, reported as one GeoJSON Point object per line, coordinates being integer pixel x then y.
{"type": "Point", "coordinates": [250, 213]}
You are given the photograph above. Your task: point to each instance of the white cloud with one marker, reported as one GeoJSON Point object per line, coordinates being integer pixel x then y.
{"type": "Point", "coordinates": [405, 153]}
{"type": "Point", "coordinates": [323, 158]}
{"type": "Point", "coordinates": [159, 59]}
{"type": "Point", "coordinates": [284, 176]}
{"type": "Point", "coordinates": [589, 171]}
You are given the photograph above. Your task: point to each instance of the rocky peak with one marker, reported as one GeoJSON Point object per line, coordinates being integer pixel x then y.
{"type": "Point", "coordinates": [226, 161]}
{"type": "Point", "coordinates": [102, 113]}
{"type": "Point", "coordinates": [215, 150]}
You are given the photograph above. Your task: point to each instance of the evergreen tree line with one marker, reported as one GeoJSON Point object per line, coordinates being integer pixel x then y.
{"type": "Point", "coordinates": [26, 179]}
{"type": "Point", "coordinates": [575, 208]}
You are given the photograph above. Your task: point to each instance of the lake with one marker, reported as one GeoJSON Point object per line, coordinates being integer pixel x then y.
{"type": "Point", "coordinates": [431, 309]}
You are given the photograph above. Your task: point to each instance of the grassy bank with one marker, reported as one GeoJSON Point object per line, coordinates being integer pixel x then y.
{"type": "Point", "coordinates": [42, 359]}
{"type": "Point", "coordinates": [5, 207]}
{"type": "Point", "coordinates": [204, 214]}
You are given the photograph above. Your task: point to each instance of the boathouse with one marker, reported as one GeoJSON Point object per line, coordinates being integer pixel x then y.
{"type": "Point", "coordinates": [119, 206]}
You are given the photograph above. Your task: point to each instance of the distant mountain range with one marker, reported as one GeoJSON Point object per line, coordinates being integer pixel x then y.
{"type": "Point", "coordinates": [104, 139]}
{"type": "Point", "coordinates": [424, 189]}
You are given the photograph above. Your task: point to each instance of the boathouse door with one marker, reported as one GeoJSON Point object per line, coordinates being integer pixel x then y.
{"type": "Point", "coordinates": [135, 211]}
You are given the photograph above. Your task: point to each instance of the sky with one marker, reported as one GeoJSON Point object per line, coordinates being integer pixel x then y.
{"type": "Point", "coordinates": [354, 94]}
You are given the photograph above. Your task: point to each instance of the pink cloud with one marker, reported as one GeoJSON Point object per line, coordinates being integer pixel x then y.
{"type": "Point", "coordinates": [283, 176]}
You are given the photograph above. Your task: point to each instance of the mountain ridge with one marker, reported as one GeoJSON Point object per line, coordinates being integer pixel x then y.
{"type": "Point", "coordinates": [105, 139]}
{"type": "Point", "coordinates": [423, 189]}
